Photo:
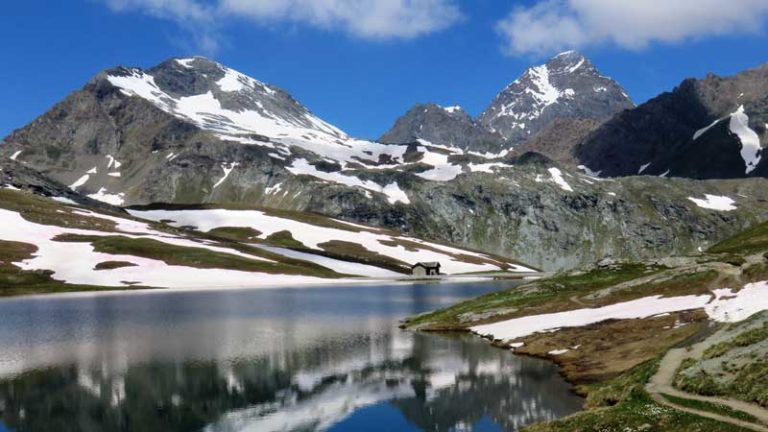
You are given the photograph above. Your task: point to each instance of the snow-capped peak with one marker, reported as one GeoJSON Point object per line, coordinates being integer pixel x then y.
{"type": "Point", "coordinates": [567, 86]}
{"type": "Point", "coordinates": [222, 100]}
{"type": "Point", "coordinates": [453, 109]}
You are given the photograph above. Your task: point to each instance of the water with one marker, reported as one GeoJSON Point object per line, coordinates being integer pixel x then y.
{"type": "Point", "coordinates": [262, 360]}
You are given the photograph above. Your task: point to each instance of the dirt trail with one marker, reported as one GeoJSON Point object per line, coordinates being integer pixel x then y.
{"type": "Point", "coordinates": [662, 383]}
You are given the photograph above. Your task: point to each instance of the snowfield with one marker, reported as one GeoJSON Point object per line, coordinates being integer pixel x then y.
{"type": "Point", "coordinates": [312, 236]}
{"type": "Point", "coordinates": [75, 262]}
{"type": "Point", "coordinates": [715, 202]}
{"type": "Point", "coordinates": [722, 306]}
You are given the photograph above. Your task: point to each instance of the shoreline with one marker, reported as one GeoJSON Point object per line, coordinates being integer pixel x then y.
{"type": "Point", "coordinates": [346, 282]}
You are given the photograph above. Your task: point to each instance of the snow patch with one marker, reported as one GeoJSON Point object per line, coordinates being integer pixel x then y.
{"type": "Point", "coordinates": [312, 236]}
{"type": "Point", "coordinates": [641, 308]}
{"type": "Point", "coordinates": [557, 177]}
{"type": "Point", "coordinates": [715, 202]}
{"type": "Point", "coordinates": [79, 182]}
{"type": "Point", "coordinates": [750, 141]}
{"type": "Point", "coordinates": [392, 190]}
{"type": "Point", "coordinates": [227, 170]}
{"type": "Point", "coordinates": [15, 155]}
{"type": "Point", "coordinates": [114, 199]}
{"type": "Point", "coordinates": [643, 168]}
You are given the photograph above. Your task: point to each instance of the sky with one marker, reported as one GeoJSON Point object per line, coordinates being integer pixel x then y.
{"type": "Point", "coordinates": [360, 64]}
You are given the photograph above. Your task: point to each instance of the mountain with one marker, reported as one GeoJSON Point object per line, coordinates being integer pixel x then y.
{"type": "Point", "coordinates": [450, 126]}
{"type": "Point", "coordinates": [195, 132]}
{"type": "Point", "coordinates": [567, 87]}
{"type": "Point", "coordinates": [558, 140]}
{"type": "Point", "coordinates": [709, 128]}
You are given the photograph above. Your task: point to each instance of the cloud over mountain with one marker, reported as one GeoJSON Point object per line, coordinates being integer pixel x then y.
{"type": "Point", "coordinates": [367, 19]}
{"type": "Point", "coordinates": [552, 25]}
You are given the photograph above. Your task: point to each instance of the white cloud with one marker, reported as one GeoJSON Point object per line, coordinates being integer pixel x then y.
{"type": "Point", "coordinates": [552, 25]}
{"type": "Point", "coordinates": [372, 19]}
{"type": "Point", "coordinates": [368, 19]}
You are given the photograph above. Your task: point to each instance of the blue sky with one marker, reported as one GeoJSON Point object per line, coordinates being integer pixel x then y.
{"type": "Point", "coordinates": [361, 63]}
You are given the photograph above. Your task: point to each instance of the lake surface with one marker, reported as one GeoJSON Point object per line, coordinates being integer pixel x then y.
{"type": "Point", "coordinates": [310, 359]}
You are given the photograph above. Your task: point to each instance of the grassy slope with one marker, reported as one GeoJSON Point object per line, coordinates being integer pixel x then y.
{"type": "Point", "coordinates": [736, 367]}
{"type": "Point", "coordinates": [617, 400]}
{"type": "Point", "coordinates": [15, 281]}
{"type": "Point", "coordinates": [622, 404]}
{"type": "Point", "coordinates": [332, 249]}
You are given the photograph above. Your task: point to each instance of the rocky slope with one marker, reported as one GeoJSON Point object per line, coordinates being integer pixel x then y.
{"type": "Point", "coordinates": [192, 131]}
{"type": "Point", "coordinates": [559, 140]}
{"type": "Point", "coordinates": [567, 87]}
{"type": "Point", "coordinates": [444, 125]}
{"type": "Point", "coordinates": [709, 128]}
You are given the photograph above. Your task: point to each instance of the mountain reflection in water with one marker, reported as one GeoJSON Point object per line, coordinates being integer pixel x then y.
{"type": "Point", "coordinates": [292, 360]}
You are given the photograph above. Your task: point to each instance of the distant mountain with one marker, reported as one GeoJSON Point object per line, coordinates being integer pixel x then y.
{"type": "Point", "coordinates": [558, 140]}
{"type": "Point", "coordinates": [450, 126]}
{"type": "Point", "coordinates": [567, 87]}
{"type": "Point", "coordinates": [709, 128]}
{"type": "Point", "coordinates": [193, 131]}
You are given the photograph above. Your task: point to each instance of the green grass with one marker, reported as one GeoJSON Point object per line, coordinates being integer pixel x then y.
{"type": "Point", "coordinates": [235, 233]}
{"type": "Point", "coordinates": [711, 407]}
{"type": "Point", "coordinates": [638, 412]}
{"type": "Point", "coordinates": [750, 241]}
{"type": "Point", "coordinates": [284, 239]}
{"type": "Point", "coordinates": [112, 265]}
{"type": "Point", "coordinates": [15, 281]}
{"type": "Point", "coordinates": [358, 253]}
{"type": "Point", "coordinates": [747, 338]}
{"type": "Point", "coordinates": [543, 296]}
{"type": "Point", "coordinates": [48, 212]}
{"type": "Point", "coordinates": [622, 403]}
{"type": "Point", "coordinates": [618, 389]}
{"type": "Point", "coordinates": [199, 257]}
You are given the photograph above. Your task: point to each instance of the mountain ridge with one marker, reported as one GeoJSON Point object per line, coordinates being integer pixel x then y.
{"type": "Point", "coordinates": [567, 87]}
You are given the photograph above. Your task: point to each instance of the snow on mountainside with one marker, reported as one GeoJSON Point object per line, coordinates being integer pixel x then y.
{"type": "Point", "coordinates": [566, 87]}
{"type": "Point", "coordinates": [75, 245]}
{"type": "Point", "coordinates": [318, 238]}
{"type": "Point", "coordinates": [206, 103]}
{"type": "Point", "coordinates": [229, 103]}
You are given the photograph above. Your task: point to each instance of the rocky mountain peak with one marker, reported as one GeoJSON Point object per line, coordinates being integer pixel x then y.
{"type": "Point", "coordinates": [443, 125]}
{"type": "Point", "coordinates": [568, 86]}
{"type": "Point", "coordinates": [715, 127]}
{"type": "Point", "coordinates": [220, 99]}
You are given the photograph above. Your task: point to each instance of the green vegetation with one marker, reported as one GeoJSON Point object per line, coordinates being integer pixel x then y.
{"type": "Point", "coordinates": [623, 404]}
{"type": "Point", "coordinates": [358, 253]}
{"type": "Point", "coordinates": [543, 296]}
{"type": "Point", "coordinates": [710, 407]}
{"type": "Point", "coordinates": [235, 233]}
{"type": "Point", "coordinates": [736, 367]}
{"type": "Point", "coordinates": [48, 212]}
{"type": "Point", "coordinates": [747, 338]}
{"type": "Point", "coordinates": [284, 239]}
{"type": "Point", "coordinates": [750, 241]}
{"type": "Point", "coordinates": [614, 391]}
{"type": "Point", "coordinates": [15, 281]}
{"type": "Point", "coordinates": [198, 257]}
{"type": "Point", "coordinates": [112, 265]}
